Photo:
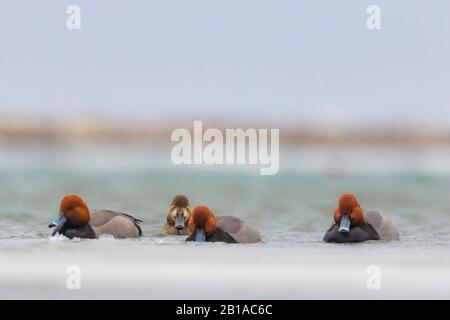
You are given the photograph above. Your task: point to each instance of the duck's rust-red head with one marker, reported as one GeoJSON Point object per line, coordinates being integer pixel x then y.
{"type": "Point", "coordinates": [348, 213]}
{"type": "Point", "coordinates": [75, 210]}
{"type": "Point", "coordinates": [202, 222]}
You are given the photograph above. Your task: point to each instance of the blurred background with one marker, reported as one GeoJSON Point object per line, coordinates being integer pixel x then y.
{"type": "Point", "coordinates": [94, 108]}
{"type": "Point", "coordinates": [297, 62]}
{"type": "Point", "coordinates": [91, 111]}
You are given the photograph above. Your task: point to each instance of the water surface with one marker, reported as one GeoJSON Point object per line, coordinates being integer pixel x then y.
{"type": "Point", "coordinates": [292, 209]}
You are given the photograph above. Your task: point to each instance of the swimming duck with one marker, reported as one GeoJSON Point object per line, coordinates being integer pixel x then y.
{"type": "Point", "coordinates": [205, 226]}
{"type": "Point", "coordinates": [178, 217]}
{"type": "Point", "coordinates": [352, 224]}
{"type": "Point", "coordinates": [75, 220]}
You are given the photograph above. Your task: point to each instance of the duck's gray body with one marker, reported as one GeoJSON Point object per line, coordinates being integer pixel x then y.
{"type": "Point", "coordinates": [375, 227]}
{"type": "Point", "coordinates": [383, 226]}
{"type": "Point", "coordinates": [104, 222]}
{"type": "Point", "coordinates": [240, 230]}
{"type": "Point", "coordinates": [117, 224]}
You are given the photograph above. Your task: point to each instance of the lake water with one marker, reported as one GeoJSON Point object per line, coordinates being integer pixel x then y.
{"type": "Point", "coordinates": [292, 210]}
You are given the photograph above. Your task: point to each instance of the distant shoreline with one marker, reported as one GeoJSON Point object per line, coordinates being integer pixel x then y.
{"type": "Point", "coordinates": [17, 131]}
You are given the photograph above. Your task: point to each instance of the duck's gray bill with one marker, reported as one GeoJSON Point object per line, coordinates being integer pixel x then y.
{"type": "Point", "coordinates": [180, 221]}
{"type": "Point", "coordinates": [200, 235]}
{"type": "Point", "coordinates": [58, 223]}
{"type": "Point", "coordinates": [344, 227]}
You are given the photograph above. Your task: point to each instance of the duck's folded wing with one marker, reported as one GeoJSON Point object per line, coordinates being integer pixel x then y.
{"type": "Point", "coordinates": [241, 231]}
{"type": "Point", "coordinates": [118, 224]}
{"type": "Point", "coordinates": [136, 222]}
{"type": "Point", "coordinates": [384, 226]}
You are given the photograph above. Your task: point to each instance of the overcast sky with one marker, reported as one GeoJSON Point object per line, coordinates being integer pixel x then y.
{"type": "Point", "coordinates": [283, 60]}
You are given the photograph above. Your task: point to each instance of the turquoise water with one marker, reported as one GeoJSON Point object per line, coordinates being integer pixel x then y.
{"type": "Point", "coordinates": [292, 209]}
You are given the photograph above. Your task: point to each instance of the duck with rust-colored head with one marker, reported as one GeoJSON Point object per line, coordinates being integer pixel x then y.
{"type": "Point", "coordinates": [178, 217]}
{"type": "Point", "coordinates": [206, 227]}
{"type": "Point", "coordinates": [76, 220]}
{"type": "Point", "coordinates": [353, 224]}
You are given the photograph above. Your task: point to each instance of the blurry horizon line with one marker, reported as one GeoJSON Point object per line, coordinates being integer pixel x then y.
{"type": "Point", "coordinates": [95, 130]}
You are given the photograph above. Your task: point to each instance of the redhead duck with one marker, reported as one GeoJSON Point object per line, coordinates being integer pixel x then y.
{"type": "Point", "coordinates": [75, 220]}
{"type": "Point", "coordinates": [178, 217]}
{"type": "Point", "coordinates": [205, 226]}
{"type": "Point", "coordinates": [352, 224]}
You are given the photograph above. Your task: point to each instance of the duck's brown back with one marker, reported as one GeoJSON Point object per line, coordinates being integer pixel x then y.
{"type": "Point", "coordinates": [238, 229]}
{"type": "Point", "coordinates": [117, 224]}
